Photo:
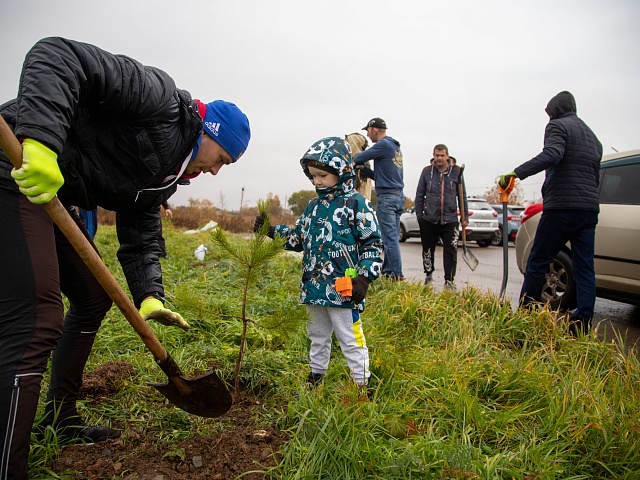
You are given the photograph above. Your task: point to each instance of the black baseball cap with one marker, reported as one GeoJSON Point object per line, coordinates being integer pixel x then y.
{"type": "Point", "coordinates": [376, 123]}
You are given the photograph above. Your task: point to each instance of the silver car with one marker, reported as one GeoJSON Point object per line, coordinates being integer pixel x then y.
{"type": "Point", "coordinates": [617, 246]}
{"type": "Point", "coordinates": [482, 228]}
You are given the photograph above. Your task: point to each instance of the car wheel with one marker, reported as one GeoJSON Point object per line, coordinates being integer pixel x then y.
{"type": "Point", "coordinates": [403, 234]}
{"type": "Point", "coordinates": [484, 243]}
{"type": "Point", "coordinates": [559, 288]}
{"type": "Point", "coordinates": [497, 239]}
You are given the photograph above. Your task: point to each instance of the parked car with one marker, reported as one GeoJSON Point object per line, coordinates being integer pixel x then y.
{"type": "Point", "coordinates": [409, 227]}
{"type": "Point", "coordinates": [517, 210]}
{"type": "Point", "coordinates": [482, 228]}
{"type": "Point", "coordinates": [513, 217]}
{"type": "Point", "coordinates": [617, 256]}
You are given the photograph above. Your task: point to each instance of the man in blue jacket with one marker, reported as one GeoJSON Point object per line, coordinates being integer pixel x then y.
{"type": "Point", "coordinates": [388, 176]}
{"type": "Point", "coordinates": [571, 161]}
{"type": "Point", "coordinates": [96, 129]}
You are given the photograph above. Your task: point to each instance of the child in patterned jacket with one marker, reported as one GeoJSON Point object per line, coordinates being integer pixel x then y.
{"type": "Point", "coordinates": [337, 223]}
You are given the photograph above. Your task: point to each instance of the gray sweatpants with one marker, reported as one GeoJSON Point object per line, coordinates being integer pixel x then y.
{"type": "Point", "coordinates": [347, 326]}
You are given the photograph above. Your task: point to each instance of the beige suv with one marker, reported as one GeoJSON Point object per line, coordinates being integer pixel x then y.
{"type": "Point", "coordinates": [617, 248]}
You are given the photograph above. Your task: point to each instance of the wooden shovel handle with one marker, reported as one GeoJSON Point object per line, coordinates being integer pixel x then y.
{"type": "Point", "coordinates": [12, 147]}
{"type": "Point", "coordinates": [461, 203]}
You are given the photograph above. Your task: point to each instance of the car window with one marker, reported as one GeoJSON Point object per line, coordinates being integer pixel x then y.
{"type": "Point", "coordinates": [619, 185]}
{"type": "Point", "coordinates": [516, 210]}
{"type": "Point", "coordinates": [475, 205]}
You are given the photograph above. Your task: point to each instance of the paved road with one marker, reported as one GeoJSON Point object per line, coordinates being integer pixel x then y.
{"type": "Point", "coordinates": [610, 317]}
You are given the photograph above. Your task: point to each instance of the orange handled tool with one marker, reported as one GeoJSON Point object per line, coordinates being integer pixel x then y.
{"type": "Point", "coordinates": [504, 198]}
{"type": "Point", "coordinates": [344, 286]}
{"type": "Point", "coordinates": [505, 192]}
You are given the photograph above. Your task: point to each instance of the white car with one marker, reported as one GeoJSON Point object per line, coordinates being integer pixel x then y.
{"type": "Point", "coordinates": [483, 223]}
{"type": "Point", "coordinates": [617, 252]}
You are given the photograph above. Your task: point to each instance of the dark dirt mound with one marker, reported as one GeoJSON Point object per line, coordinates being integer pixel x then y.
{"type": "Point", "coordinates": [105, 380]}
{"type": "Point", "coordinates": [247, 447]}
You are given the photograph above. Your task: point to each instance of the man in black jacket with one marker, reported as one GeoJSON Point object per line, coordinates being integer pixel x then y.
{"type": "Point", "coordinates": [571, 160]}
{"type": "Point", "coordinates": [96, 129]}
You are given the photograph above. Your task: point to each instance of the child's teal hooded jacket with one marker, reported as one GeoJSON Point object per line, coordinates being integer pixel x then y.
{"type": "Point", "coordinates": [338, 215]}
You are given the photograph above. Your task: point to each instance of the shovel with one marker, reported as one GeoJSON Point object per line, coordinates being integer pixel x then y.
{"type": "Point", "coordinates": [504, 198]}
{"type": "Point", "coordinates": [468, 257]}
{"type": "Point", "coordinates": [206, 395]}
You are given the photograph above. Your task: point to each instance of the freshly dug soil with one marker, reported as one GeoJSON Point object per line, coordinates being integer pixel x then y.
{"type": "Point", "coordinates": [246, 448]}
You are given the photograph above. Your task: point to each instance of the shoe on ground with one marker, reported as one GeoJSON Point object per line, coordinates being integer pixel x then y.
{"type": "Point", "coordinates": [579, 327]}
{"type": "Point", "coordinates": [366, 391]}
{"type": "Point", "coordinates": [91, 434]}
{"type": "Point", "coordinates": [314, 378]}
{"type": "Point", "coordinates": [79, 431]}
{"type": "Point", "coordinates": [450, 286]}
{"type": "Point", "coordinates": [428, 279]}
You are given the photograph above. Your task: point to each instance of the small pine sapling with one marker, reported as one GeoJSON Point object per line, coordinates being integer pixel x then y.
{"type": "Point", "coordinates": [252, 257]}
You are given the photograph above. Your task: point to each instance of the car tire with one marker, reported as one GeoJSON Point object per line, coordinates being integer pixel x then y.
{"type": "Point", "coordinates": [484, 243]}
{"type": "Point", "coordinates": [560, 288]}
{"type": "Point", "coordinates": [403, 234]}
{"type": "Point", "coordinates": [497, 239]}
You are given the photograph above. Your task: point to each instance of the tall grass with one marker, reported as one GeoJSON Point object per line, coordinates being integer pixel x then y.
{"type": "Point", "coordinates": [469, 389]}
{"type": "Point", "coordinates": [463, 387]}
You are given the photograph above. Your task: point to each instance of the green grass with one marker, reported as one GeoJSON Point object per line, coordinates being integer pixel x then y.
{"type": "Point", "coordinates": [465, 388]}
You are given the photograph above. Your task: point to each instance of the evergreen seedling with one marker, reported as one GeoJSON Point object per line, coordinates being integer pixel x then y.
{"type": "Point", "coordinates": [252, 258]}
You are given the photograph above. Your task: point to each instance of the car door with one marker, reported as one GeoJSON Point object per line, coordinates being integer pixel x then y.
{"type": "Point", "coordinates": [617, 246]}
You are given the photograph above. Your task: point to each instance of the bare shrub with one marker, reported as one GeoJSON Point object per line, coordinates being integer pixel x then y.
{"type": "Point", "coordinates": [194, 217]}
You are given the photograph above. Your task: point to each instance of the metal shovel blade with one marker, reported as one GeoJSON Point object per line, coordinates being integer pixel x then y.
{"type": "Point", "coordinates": [208, 395]}
{"type": "Point", "coordinates": [468, 257]}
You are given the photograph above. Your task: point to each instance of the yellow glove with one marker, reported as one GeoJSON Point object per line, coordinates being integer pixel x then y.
{"type": "Point", "coordinates": [39, 177]}
{"type": "Point", "coordinates": [152, 308]}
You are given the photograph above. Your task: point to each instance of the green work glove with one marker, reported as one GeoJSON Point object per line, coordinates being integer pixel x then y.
{"type": "Point", "coordinates": [504, 179]}
{"type": "Point", "coordinates": [152, 308]}
{"type": "Point", "coordinates": [39, 177]}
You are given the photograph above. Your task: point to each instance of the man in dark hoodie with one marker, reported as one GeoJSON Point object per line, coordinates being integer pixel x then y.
{"type": "Point", "coordinates": [571, 161]}
{"type": "Point", "coordinates": [388, 176]}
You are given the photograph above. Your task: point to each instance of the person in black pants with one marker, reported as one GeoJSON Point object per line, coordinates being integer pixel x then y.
{"type": "Point", "coordinates": [437, 213]}
{"type": "Point", "coordinates": [97, 129]}
{"type": "Point", "coordinates": [571, 161]}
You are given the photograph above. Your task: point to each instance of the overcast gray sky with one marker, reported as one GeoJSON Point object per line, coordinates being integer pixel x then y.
{"type": "Point", "coordinates": [475, 75]}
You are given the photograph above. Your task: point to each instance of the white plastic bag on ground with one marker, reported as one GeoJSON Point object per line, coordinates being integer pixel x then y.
{"type": "Point", "coordinates": [200, 252]}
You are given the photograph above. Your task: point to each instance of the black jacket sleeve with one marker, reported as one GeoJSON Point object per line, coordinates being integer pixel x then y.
{"type": "Point", "coordinates": [555, 139]}
{"type": "Point", "coordinates": [61, 76]}
{"type": "Point", "coordinates": [138, 253]}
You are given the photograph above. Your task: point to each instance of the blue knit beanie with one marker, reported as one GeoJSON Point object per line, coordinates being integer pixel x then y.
{"type": "Point", "coordinates": [228, 126]}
